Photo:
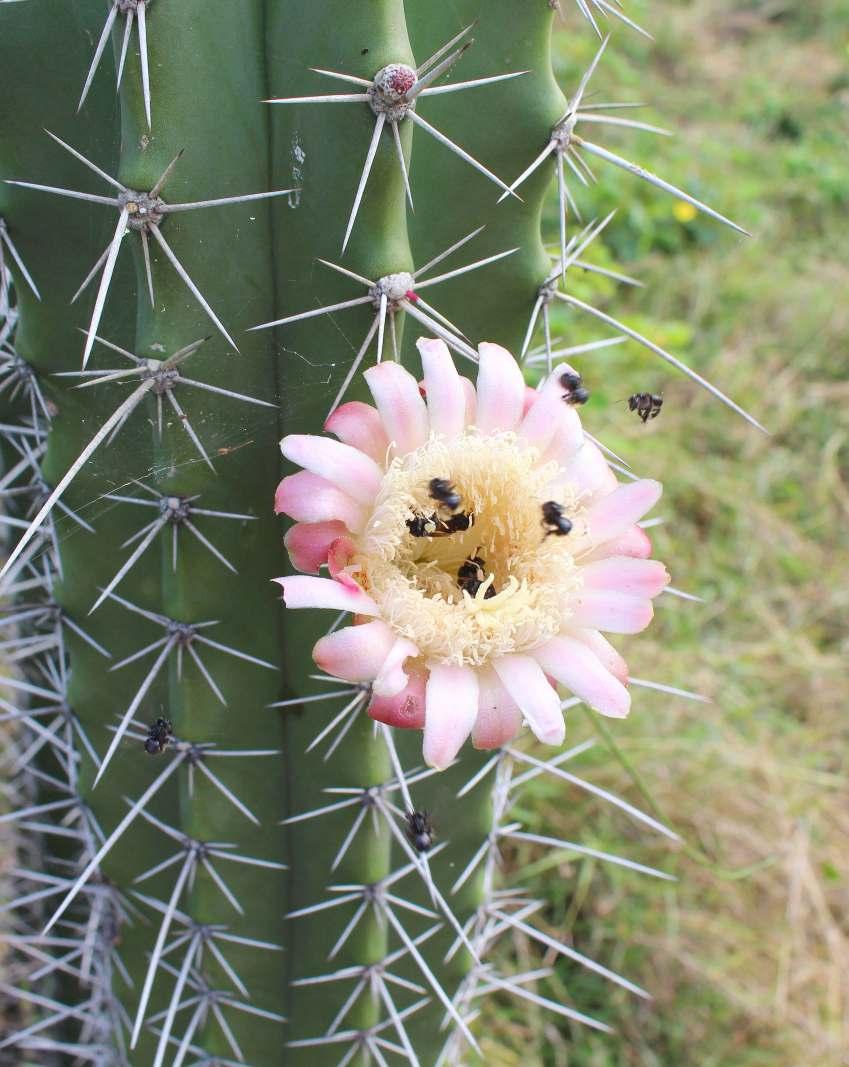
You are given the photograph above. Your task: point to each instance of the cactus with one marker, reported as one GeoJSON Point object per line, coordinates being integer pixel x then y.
{"type": "Point", "coordinates": [223, 857]}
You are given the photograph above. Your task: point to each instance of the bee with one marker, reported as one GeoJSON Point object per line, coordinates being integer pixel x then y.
{"type": "Point", "coordinates": [422, 525]}
{"type": "Point", "coordinates": [158, 737]}
{"type": "Point", "coordinates": [575, 391]}
{"type": "Point", "coordinates": [646, 405]}
{"type": "Point", "coordinates": [419, 830]}
{"type": "Point", "coordinates": [458, 523]}
{"type": "Point", "coordinates": [436, 525]}
{"type": "Point", "coordinates": [471, 576]}
{"type": "Point", "coordinates": [553, 519]}
{"type": "Point", "coordinates": [444, 493]}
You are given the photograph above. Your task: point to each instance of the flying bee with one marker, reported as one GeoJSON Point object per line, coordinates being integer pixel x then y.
{"type": "Point", "coordinates": [158, 737]}
{"type": "Point", "coordinates": [646, 405]}
{"type": "Point", "coordinates": [574, 386]}
{"type": "Point", "coordinates": [444, 493]}
{"type": "Point", "coordinates": [472, 574]}
{"type": "Point", "coordinates": [553, 519]}
{"type": "Point", "coordinates": [419, 830]}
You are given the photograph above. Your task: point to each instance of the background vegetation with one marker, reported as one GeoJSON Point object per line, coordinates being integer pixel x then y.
{"type": "Point", "coordinates": [752, 970]}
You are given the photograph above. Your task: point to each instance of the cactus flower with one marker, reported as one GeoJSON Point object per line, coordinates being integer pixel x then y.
{"type": "Point", "coordinates": [481, 542]}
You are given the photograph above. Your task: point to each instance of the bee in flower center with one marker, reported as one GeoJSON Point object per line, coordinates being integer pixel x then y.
{"type": "Point", "coordinates": [446, 519]}
{"type": "Point", "coordinates": [471, 575]}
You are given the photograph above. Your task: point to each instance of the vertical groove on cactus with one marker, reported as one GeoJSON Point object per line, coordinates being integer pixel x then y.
{"type": "Point", "coordinates": [226, 852]}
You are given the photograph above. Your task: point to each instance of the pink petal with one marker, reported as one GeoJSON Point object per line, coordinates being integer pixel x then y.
{"type": "Point", "coordinates": [303, 591]}
{"type": "Point", "coordinates": [634, 542]}
{"type": "Point", "coordinates": [405, 710]}
{"type": "Point", "coordinates": [590, 471]}
{"type": "Point", "coordinates": [501, 390]}
{"type": "Point", "coordinates": [446, 401]}
{"type": "Point", "coordinates": [451, 706]}
{"type": "Point", "coordinates": [568, 437]}
{"type": "Point", "coordinates": [611, 517]}
{"type": "Point", "coordinates": [400, 404]}
{"type": "Point", "coordinates": [615, 612]}
{"type": "Point", "coordinates": [359, 425]}
{"type": "Point", "coordinates": [307, 498]}
{"type": "Point", "coordinates": [355, 653]}
{"type": "Point", "coordinates": [604, 652]}
{"type": "Point", "coordinates": [542, 422]}
{"type": "Point", "coordinates": [531, 396]}
{"type": "Point", "coordinates": [524, 680]}
{"type": "Point", "coordinates": [471, 396]}
{"type": "Point", "coordinates": [338, 557]}
{"type": "Point", "coordinates": [636, 577]}
{"type": "Point", "coordinates": [499, 718]}
{"type": "Point", "coordinates": [391, 679]}
{"type": "Point", "coordinates": [552, 385]}
{"type": "Point", "coordinates": [575, 666]}
{"type": "Point", "coordinates": [309, 542]}
{"type": "Point", "coordinates": [347, 468]}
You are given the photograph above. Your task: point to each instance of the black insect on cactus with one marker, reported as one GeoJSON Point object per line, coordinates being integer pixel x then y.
{"type": "Point", "coordinates": [221, 855]}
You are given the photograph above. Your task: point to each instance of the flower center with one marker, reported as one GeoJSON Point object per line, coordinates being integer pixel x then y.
{"type": "Point", "coordinates": [483, 578]}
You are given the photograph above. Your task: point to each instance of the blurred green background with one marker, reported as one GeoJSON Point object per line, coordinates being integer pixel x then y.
{"type": "Point", "coordinates": [747, 955]}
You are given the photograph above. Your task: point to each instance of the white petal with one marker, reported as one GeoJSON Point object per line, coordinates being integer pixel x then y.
{"type": "Point", "coordinates": [355, 653]}
{"type": "Point", "coordinates": [499, 716]}
{"type": "Point", "coordinates": [401, 407]}
{"type": "Point", "coordinates": [575, 666]}
{"type": "Point", "coordinates": [501, 390]}
{"type": "Point", "coordinates": [524, 680]}
{"type": "Point", "coordinates": [615, 612]}
{"type": "Point", "coordinates": [611, 517]}
{"type": "Point", "coordinates": [446, 401]}
{"type": "Point", "coordinates": [451, 706]}
{"type": "Point", "coordinates": [392, 677]}
{"type": "Point", "coordinates": [359, 425]}
{"type": "Point", "coordinates": [304, 591]}
{"type": "Point", "coordinates": [347, 468]}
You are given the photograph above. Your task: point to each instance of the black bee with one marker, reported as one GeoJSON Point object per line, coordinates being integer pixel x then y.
{"type": "Point", "coordinates": [553, 519]}
{"type": "Point", "coordinates": [575, 391]}
{"type": "Point", "coordinates": [458, 523]}
{"type": "Point", "coordinates": [419, 830]}
{"type": "Point", "coordinates": [471, 576]}
{"type": "Point", "coordinates": [436, 525]}
{"type": "Point", "coordinates": [646, 405]}
{"type": "Point", "coordinates": [158, 737]}
{"type": "Point", "coordinates": [444, 493]}
{"type": "Point", "coordinates": [422, 525]}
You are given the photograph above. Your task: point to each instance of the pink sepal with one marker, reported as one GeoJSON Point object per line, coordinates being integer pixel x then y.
{"type": "Point", "coordinates": [307, 498]}
{"type": "Point", "coordinates": [360, 425]}
{"type": "Point", "coordinates": [405, 710]}
{"type": "Point", "coordinates": [304, 591]}
{"type": "Point", "coordinates": [308, 543]}
{"type": "Point", "coordinates": [354, 653]}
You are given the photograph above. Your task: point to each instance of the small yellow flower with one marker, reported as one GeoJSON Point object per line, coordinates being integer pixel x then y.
{"type": "Point", "coordinates": [683, 211]}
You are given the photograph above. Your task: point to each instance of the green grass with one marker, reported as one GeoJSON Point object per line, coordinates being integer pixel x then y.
{"type": "Point", "coordinates": [746, 969]}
